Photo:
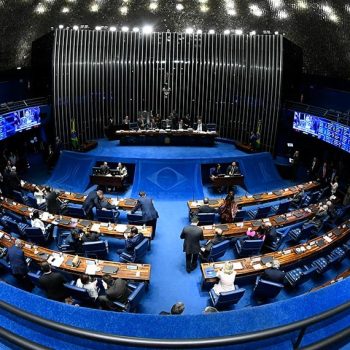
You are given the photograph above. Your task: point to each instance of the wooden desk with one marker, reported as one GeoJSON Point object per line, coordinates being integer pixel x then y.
{"type": "Point", "coordinates": [254, 265]}
{"type": "Point", "coordinates": [123, 204]}
{"type": "Point", "coordinates": [259, 198]}
{"type": "Point", "coordinates": [107, 180]}
{"type": "Point", "coordinates": [228, 181]}
{"type": "Point", "coordinates": [67, 222]}
{"type": "Point", "coordinates": [240, 228]}
{"type": "Point", "coordinates": [338, 278]}
{"type": "Point", "coordinates": [137, 272]}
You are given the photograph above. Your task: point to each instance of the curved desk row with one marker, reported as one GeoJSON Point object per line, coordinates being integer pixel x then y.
{"type": "Point", "coordinates": [139, 272]}
{"type": "Point", "coordinates": [67, 222]}
{"type": "Point", "coordinates": [240, 228]}
{"type": "Point", "coordinates": [123, 204]}
{"type": "Point", "coordinates": [338, 278]}
{"type": "Point", "coordinates": [258, 198]}
{"type": "Point", "coordinates": [257, 264]}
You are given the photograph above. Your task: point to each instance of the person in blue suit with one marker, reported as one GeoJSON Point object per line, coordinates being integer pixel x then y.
{"type": "Point", "coordinates": [149, 213]}
{"type": "Point", "coordinates": [18, 264]}
{"type": "Point", "coordinates": [92, 200]}
{"type": "Point", "coordinates": [132, 239]}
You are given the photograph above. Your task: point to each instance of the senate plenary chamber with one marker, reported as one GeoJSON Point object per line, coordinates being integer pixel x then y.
{"type": "Point", "coordinates": [174, 174]}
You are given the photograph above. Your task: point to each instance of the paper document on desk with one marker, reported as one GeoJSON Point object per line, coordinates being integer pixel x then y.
{"type": "Point", "coordinates": [115, 201]}
{"type": "Point", "coordinates": [91, 269]}
{"type": "Point", "coordinates": [327, 239]}
{"type": "Point", "coordinates": [237, 266]}
{"type": "Point", "coordinates": [95, 228]}
{"type": "Point", "coordinates": [257, 266]}
{"type": "Point", "coordinates": [208, 227]}
{"type": "Point", "coordinates": [55, 260]}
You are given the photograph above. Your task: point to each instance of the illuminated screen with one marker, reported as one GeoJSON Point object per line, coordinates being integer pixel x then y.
{"type": "Point", "coordinates": [326, 130]}
{"type": "Point", "coordinates": [11, 123]}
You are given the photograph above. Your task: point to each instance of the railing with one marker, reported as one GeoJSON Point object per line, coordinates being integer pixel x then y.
{"type": "Point", "coordinates": [270, 333]}
{"type": "Point", "coordinates": [13, 106]}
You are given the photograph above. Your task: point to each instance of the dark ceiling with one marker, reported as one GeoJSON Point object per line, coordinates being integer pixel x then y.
{"type": "Point", "coordinates": [321, 28]}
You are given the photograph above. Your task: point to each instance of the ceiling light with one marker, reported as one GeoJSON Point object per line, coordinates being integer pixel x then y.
{"type": "Point", "coordinates": [179, 7]}
{"type": "Point", "coordinates": [153, 6]}
{"type": "Point", "coordinates": [94, 8]}
{"type": "Point", "coordinates": [227, 31]}
{"type": "Point", "coordinates": [301, 4]}
{"type": "Point", "coordinates": [238, 31]}
{"type": "Point", "coordinates": [123, 10]}
{"type": "Point", "coordinates": [75, 27]}
{"type": "Point", "coordinates": [65, 9]}
{"type": "Point", "coordinates": [253, 32]}
{"type": "Point", "coordinates": [113, 29]}
{"type": "Point", "coordinates": [136, 29]}
{"type": "Point", "coordinates": [189, 30]}
{"type": "Point", "coordinates": [61, 26]}
{"type": "Point", "coordinates": [97, 27]}
{"type": "Point", "coordinates": [255, 10]}
{"type": "Point", "coordinates": [204, 8]}
{"type": "Point", "coordinates": [231, 12]}
{"type": "Point", "coordinates": [147, 29]}
{"type": "Point", "coordinates": [199, 31]}
{"type": "Point", "coordinates": [40, 8]}
{"type": "Point", "coordinates": [211, 31]}
{"type": "Point", "coordinates": [125, 29]}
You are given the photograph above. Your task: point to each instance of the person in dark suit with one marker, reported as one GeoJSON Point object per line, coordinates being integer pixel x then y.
{"type": "Point", "coordinates": [313, 170]}
{"type": "Point", "coordinates": [92, 200]}
{"type": "Point", "coordinates": [206, 249]}
{"type": "Point", "coordinates": [52, 283]}
{"type": "Point", "coordinates": [19, 267]}
{"type": "Point", "coordinates": [232, 169]}
{"type": "Point", "coordinates": [105, 204]}
{"type": "Point", "coordinates": [176, 309]}
{"type": "Point", "coordinates": [13, 181]}
{"type": "Point", "coordinates": [206, 208]}
{"type": "Point", "coordinates": [215, 171]}
{"type": "Point", "coordinates": [132, 239]}
{"type": "Point", "coordinates": [323, 174]}
{"type": "Point", "coordinates": [104, 169]}
{"type": "Point", "coordinates": [116, 290]}
{"type": "Point", "coordinates": [53, 204]}
{"type": "Point", "coordinates": [89, 236]}
{"type": "Point", "coordinates": [274, 274]}
{"type": "Point", "coordinates": [192, 235]}
{"type": "Point", "coordinates": [149, 213]}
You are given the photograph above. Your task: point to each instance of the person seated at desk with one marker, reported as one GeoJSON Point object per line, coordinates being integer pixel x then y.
{"type": "Point", "coordinates": [176, 309]}
{"type": "Point", "coordinates": [226, 278]}
{"type": "Point", "coordinates": [298, 197]}
{"type": "Point", "coordinates": [52, 283]}
{"type": "Point", "coordinates": [90, 284]}
{"type": "Point", "coordinates": [233, 169]}
{"type": "Point", "coordinates": [319, 217]}
{"type": "Point", "coordinates": [205, 250]}
{"type": "Point", "coordinates": [122, 170]}
{"type": "Point", "coordinates": [116, 290]}
{"type": "Point", "coordinates": [125, 123]}
{"type": "Point", "coordinates": [215, 171]}
{"type": "Point", "coordinates": [152, 124]}
{"type": "Point", "coordinates": [53, 204]}
{"type": "Point", "coordinates": [274, 274]}
{"type": "Point", "coordinates": [89, 236]}
{"type": "Point", "coordinates": [229, 209]}
{"type": "Point", "coordinates": [269, 233]}
{"type": "Point", "coordinates": [132, 239]}
{"type": "Point", "coordinates": [104, 169]}
{"type": "Point", "coordinates": [200, 126]}
{"type": "Point", "coordinates": [36, 222]}
{"type": "Point", "coordinates": [205, 207]}
{"type": "Point", "coordinates": [141, 122]}
{"type": "Point", "coordinates": [92, 200]}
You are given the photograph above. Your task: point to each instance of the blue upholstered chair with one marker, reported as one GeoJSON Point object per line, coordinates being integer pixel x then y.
{"type": "Point", "coordinates": [139, 252]}
{"type": "Point", "coordinates": [282, 208]}
{"type": "Point", "coordinates": [265, 289]}
{"type": "Point", "coordinates": [225, 299]}
{"type": "Point", "coordinates": [137, 292]}
{"type": "Point", "coordinates": [262, 212]}
{"type": "Point", "coordinates": [336, 255]}
{"type": "Point", "coordinates": [206, 218]}
{"type": "Point", "coordinates": [75, 210]}
{"type": "Point", "coordinates": [135, 218]}
{"type": "Point", "coordinates": [17, 228]}
{"type": "Point", "coordinates": [211, 127]}
{"type": "Point", "coordinates": [64, 242]}
{"type": "Point", "coordinates": [218, 250]}
{"type": "Point", "coordinates": [34, 277]}
{"type": "Point", "coordinates": [240, 216]}
{"type": "Point", "coordinates": [107, 215]}
{"type": "Point", "coordinates": [249, 247]}
{"type": "Point", "coordinates": [299, 275]}
{"type": "Point", "coordinates": [299, 234]}
{"type": "Point", "coordinates": [36, 235]}
{"type": "Point", "coordinates": [77, 293]}
{"type": "Point", "coordinates": [321, 265]}
{"type": "Point", "coordinates": [17, 196]}
{"type": "Point", "coordinates": [5, 266]}
{"type": "Point", "coordinates": [97, 249]}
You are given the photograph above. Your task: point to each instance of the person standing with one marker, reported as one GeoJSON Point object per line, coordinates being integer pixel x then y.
{"type": "Point", "coordinates": [149, 212]}
{"type": "Point", "coordinates": [92, 200]}
{"type": "Point", "coordinates": [192, 235]}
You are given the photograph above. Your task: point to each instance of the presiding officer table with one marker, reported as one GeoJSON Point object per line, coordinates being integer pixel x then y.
{"type": "Point", "coordinates": [167, 137]}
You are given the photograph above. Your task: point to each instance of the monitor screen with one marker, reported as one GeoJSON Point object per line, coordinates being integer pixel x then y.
{"type": "Point", "coordinates": [326, 130]}
{"type": "Point", "coordinates": [18, 121]}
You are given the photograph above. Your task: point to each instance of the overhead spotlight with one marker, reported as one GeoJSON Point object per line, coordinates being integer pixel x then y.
{"type": "Point", "coordinates": [253, 32]}
{"type": "Point", "coordinates": [189, 30]}
{"type": "Point", "coordinates": [123, 10]}
{"type": "Point", "coordinates": [97, 27]}
{"type": "Point", "coordinates": [136, 29]}
{"type": "Point", "coordinates": [113, 29]}
{"type": "Point", "coordinates": [40, 8]}
{"type": "Point", "coordinates": [61, 26]}
{"type": "Point", "coordinates": [302, 4]}
{"type": "Point", "coordinates": [238, 31]}
{"type": "Point", "coordinates": [199, 31]}
{"type": "Point", "coordinates": [19, 68]}
{"type": "Point", "coordinates": [255, 10]}
{"type": "Point", "coordinates": [227, 31]}
{"type": "Point", "coordinates": [65, 9]}
{"type": "Point", "coordinates": [75, 27]}
{"type": "Point", "coordinates": [202, 1]}
{"type": "Point", "coordinates": [153, 6]}
{"type": "Point", "coordinates": [179, 7]}
{"type": "Point", "coordinates": [125, 29]}
{"type": "Point", "coordinates": [204, 8]}
{"type": "Point", "coordinates": [231, 12]}
{"type": "Point", "coordinates": [211, 31]}
{"type": "Point", "coordinates": [282, 14]}
{"type": "Point", "coordinates": [147, 29]}
{"type": "Point", "coordinates": [94, 8]}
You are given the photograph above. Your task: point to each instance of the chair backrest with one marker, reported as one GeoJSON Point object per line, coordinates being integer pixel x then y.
{"type": "Point", "coordinates": [95, 249]}
{"type": "Point", "coordinates": [252, 244]}
{"type": "Point", "coordinates": [105, 215]}
{"type": "Point", "coordinates": [218, 250]}
{"type": "Point", "coordinates": [17, 196]}
{"type": "Point", "coordinates": [138, 291]}
{"type": "Point", "coordinates": [75, 210]}
{"type": "Point", "coordinates": [206, 218]}
{"type": "Point", "coordinates": [133, 126]}
{"type": "Point", "coordinates": [13, 227]}
{"type": "Point", "coordinates": [135, 218]}
{"type": "Point", "coordinates": [283, 207]}
{"type": "Point", "coordinates": [229, 298]}
{"type": "Point", "coordinates": [240, 215]}
{"type": "Point", "coordinates": [262, 212]}
{"type": "Point", "coordinates": [211, 127]}
{"type": "Point", "coordinates": [267, 289]}
{"type": "Point", "coordinates": [35, 234]}
{"type": "Point", "coordinates": [141, 249]}
{"type": "Point", "coordinates": [77, 292]}
{"type": "Point", "coordinates": [34, 277]}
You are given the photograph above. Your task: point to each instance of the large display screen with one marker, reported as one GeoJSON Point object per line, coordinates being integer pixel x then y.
{"type": "Point", "coordinates": [326, 130]}
{"type": "Point", "coordinates": [11, 123]}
